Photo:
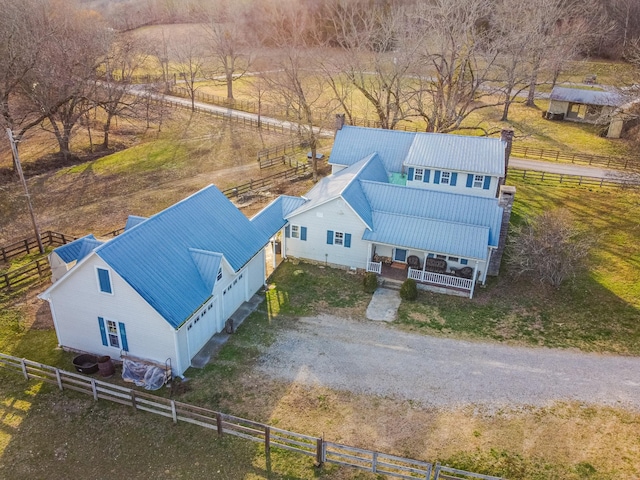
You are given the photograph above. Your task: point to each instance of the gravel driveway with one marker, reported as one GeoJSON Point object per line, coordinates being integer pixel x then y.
{"type": "Point", "coordinates": [375, 359]}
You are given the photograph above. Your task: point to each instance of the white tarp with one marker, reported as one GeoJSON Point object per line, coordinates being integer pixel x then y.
{"type": "Point", "coordinates": [143, 374]}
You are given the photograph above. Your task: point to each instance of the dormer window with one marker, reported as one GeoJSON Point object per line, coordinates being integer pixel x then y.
{"type": "Point", "coordinates": [418, 174]}
{"type": "Point", "coordinates": [219, 277]}
{"type": "Point", "coordinates": [445, 178]}
{"type": "Point", "coordinates": [478, 181]}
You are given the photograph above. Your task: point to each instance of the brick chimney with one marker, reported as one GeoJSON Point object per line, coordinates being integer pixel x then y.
{"type": "Point", "coordinates": [340, 118]}
{"type": "Point", "coordinates": [506, 135]}
{"type": "Point", "coordinates": [505, 200]}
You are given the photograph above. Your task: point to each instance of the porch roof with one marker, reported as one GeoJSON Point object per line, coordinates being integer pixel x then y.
{"type": "Point", "coordinates": [469, 241]}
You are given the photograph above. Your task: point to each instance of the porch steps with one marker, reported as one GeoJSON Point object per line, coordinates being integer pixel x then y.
{"type": "Point", "coordinates": [390, 283]}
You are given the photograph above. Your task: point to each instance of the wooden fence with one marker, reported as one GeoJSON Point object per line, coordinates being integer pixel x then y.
{"type": "Point", "coordinates": [271, 437]}
{"type": "Point", "coordinates": [294, 172]}
{"type": "Point", "coordinates": [559, 156]}
{"type": "Point", "coordinates": [25, 275]}
{"type": "Point", "coordinates": [30, 244]}
{"type": "Point", "coordinates": [621, 182]}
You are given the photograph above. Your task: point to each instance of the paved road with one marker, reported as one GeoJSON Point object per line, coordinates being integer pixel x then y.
{"type": "Point", "coordinates": [569, 169]}
{"type": "Point", "coordinates": [376, 359]}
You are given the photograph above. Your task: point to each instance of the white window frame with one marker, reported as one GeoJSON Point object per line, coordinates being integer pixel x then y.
{"type": "Point", "coordinates": [445, 178]}
{"type": "Point", "coordinates": [295, 231]}
{"type": "Point", "coordinates": [478, 181]}
{"type": "Point", "coordinates": [111, 335]}
{"type": "Point", "coordinates": [418, 174]}
{"type": "Point", "coordinates": [338, 238]}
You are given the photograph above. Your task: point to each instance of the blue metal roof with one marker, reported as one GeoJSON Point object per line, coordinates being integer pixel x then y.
{"type": "Point", "coordinates": [78, 249]}
{"type": "Point", "coordinates": [208, 264]}
{"type": "Point", "coordinates": [354, 143]}
{"type": "Point", "coordinates": [481, 155]}
{"type": "Point", "coordinates": [163, 258]}
{"type": "Point", "coordinates": [396, 149]}
{"type": "Point", "coordinates": [345, 184]}
{"type": "Point", "coordinates": [586, 97]}
{"type": "Point", "coordinates": [132, 221]}
{"type": "Point", "coordinates": [434, 205]}
{"type": "Point", "coordinates": [272, 218]}
{"type": "Point", "coordinates": [430, 235]}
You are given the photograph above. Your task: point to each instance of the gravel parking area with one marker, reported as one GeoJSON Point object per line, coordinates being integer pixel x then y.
{"type": "Point", "coordinates": [375, 359]}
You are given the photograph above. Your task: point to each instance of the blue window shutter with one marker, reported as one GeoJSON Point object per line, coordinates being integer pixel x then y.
{"type": "Point", "coordinates": [464, 261]}
{"type": "Point", "coordinates": [410, 175]}
{"type": "Point", "coordinates": [469, 180]}
{"type": "Point", "coordinates": [287, 231]}
{"type": "Point", "coordinates": [105, 282]}
{"type": "Point", "coordinates": [436, 177]}
{"type": "Point", "coordinates": [454, 178]}
{"type": "Point", "coordinates": [426, 175]}
{"type": "Point", "coordinates": [487, 182]}
{"type": "Point", "coordinates": [123, 336]}
{"type": "Point", "coordinates": [103, 331]}
{"type": "Point", "coordinates": [330, 237]}
{"type": "Point", "coordinates": [303, 233]}
{"type": "Point", "coordinates": [347, 240]}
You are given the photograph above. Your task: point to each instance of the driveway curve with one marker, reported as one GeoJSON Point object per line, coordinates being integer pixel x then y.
{"type": "Point", "coordinates": [376, 359]}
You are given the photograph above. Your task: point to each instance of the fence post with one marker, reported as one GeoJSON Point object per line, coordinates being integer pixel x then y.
{"type": "Point", "coordinates": [133, 399]}
{"type": "Point", "coordinates": [319, 452]}
{"type": "Point", "coordinates": [94, 390]}
{"type": "Point", "coordinates": [267, 440]}
{"type": "Point", "coordinates": [26, 245]}
{"type": "Point", "coordinates": [374, 462]}
{"type": "Point", "coordinates": [219, 423]}
{"type": "Point", "coordinates": [24, 369]}
{"type": "Point", "coordinates": [4, 255]}
{"type": "Point", "coordinates": [174, 414]}
{"type": "Point", "coordinates": [59, 378]}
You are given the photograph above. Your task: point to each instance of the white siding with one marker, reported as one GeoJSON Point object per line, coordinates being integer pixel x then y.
{"type": "Point", "coordinates": [58, 267]}
{"type": "Point", "coordinates": [335, 215]}
{"type": "Point", "coordinates": [77, 303]}
{"type": "Point", "coordinates": [460, 187]}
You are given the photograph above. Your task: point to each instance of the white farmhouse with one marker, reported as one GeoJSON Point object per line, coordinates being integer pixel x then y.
{"type": "Point", "coordinates": [430, 207]}
{"type": "Point", "coordinates": [161, 289]}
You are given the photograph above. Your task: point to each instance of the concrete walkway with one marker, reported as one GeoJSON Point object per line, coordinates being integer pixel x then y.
{"type": "Point", "coordinates": [384, 305]}
{"type": "Point", "coordinates": [203, 357]}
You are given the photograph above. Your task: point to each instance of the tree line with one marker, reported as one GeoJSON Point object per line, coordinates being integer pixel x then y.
{"type": "Point", "coordinates": [433, 61]}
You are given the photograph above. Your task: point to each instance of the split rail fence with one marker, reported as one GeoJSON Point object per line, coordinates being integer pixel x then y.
{"type": "Point", "coordinates": [30, 244]}
{"type": "Point", "coordinates": [317, 448]}
{"type": "Point", "coordinates": [560, 156]}
{"type": "Point", "coordinates": [536, 175]}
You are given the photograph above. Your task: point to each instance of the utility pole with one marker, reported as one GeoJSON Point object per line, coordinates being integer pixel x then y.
{"type": "Point", "coordinates": [16, 161]}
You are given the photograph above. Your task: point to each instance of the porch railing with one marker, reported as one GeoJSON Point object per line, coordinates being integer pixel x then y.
{"type": "Point", "coordinates": [375, 267]}
{"type": "Point", "coordinates": [440, 279]}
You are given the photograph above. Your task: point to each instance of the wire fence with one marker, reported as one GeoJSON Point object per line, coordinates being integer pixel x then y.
{"type": "Point", "coordinates": [271, 437]}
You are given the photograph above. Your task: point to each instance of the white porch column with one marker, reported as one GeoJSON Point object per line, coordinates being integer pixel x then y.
{"type": "Point", "coordinates": [273, 247]}
{"type": "Point", "coordinates": [283, 247]}
{"type": "Point", "coordinates": [473, 280]}
{"type": "Point", "coordinates": [424, 265]}
{"type": "Point", "coordinates": [369, 259]}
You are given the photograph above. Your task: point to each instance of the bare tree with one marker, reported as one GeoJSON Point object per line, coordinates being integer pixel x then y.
{"type": "Point", "coordinates": [549, 247]}
{"type": "Point", "coordinates": [454, 63]}
{"type": "Point", "coordinates": [226, 43]}
{"type": "Point", "coordinates": [190, 65]}
{"type": "Point", "coordinates": [375, 56]}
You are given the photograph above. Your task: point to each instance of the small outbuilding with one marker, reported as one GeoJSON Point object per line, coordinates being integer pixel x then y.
{"type": "Point", "coordinates": [587, 106]}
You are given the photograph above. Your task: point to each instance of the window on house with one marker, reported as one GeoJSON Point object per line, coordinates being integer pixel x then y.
{"type": "Point", "coordinates": [112, 334]}
{"type": "Point", "coordinates": [453, 259]}
{"type": "Point", "coordinates": [443, 257]}
{"type": "Point", "coordinates": [478, 181]}
{"type": "Point", "coordinates": [418, 174]}
{"type": "Point", "coordinates": [338, 238]}
{"type": "Point", "coordinates": [219, 277]}
{"type": "Point", "coordinates": [295, 231]}
{"type": "Point", "coordinates": [464, 261]}
{"type": "Point", "coordinates": [445, 178]}
{"type": "Point", "coordinates": [104, 281]}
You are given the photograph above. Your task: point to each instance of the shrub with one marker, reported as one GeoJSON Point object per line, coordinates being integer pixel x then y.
{"type": "Point", "coordinates": [409, 290]}
{"type": "Point", "coordinates": [370, 282]}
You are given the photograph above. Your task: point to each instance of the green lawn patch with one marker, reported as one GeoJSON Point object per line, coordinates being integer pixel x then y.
{"type": "Point", "coordinates": [598, 311]}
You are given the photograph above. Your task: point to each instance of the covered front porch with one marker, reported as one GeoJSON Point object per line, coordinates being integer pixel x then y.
{"type": "Point", "coordinates": [431, 269]}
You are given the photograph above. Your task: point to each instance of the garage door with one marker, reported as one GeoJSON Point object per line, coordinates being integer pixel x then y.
{"type": "Point", "coordinates": [202, 328]}
{"type": "Point", "coordinates": [233, 295]}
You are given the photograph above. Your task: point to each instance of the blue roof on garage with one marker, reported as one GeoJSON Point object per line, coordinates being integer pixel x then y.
{"type": "Point", "coordinates": [78, 249]}
{"type": "Point", "coordinates": [166, 257]}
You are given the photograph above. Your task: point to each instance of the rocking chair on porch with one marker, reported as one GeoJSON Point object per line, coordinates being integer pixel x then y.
{"type": "Point", "coordinates": [414, 262]}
